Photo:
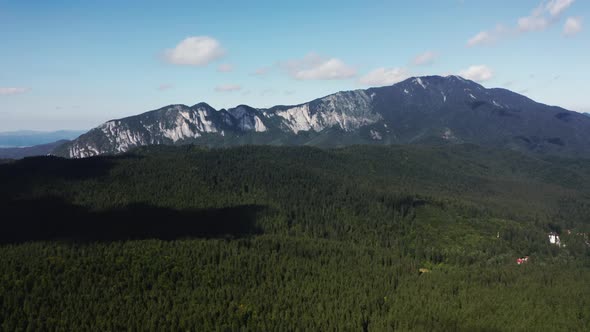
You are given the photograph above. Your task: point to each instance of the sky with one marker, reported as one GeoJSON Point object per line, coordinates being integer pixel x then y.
{"type": "Point", "coordinates": [76, 64]}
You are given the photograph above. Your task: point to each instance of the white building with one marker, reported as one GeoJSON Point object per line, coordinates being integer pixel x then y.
{"type": "Point", "coordinates": [554, 239]}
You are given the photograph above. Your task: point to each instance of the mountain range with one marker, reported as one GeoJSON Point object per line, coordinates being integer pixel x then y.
{"type": "Point", "coordinates": [30, 138]}
{"type": "Point", "coordinates": [30, 151]}
{"type": "Point", "coordinates": [420, 110]}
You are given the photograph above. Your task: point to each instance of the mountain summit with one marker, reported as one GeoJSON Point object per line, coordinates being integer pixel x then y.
{"type": "Point", "coordinates": [430, 109]}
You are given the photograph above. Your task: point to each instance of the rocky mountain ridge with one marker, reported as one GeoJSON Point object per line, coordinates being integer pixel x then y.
{"type": "Point", "coordinates": [430, 109]}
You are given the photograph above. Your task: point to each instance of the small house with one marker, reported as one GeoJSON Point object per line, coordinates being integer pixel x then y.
{"type": "Point", "coordinates": [554, 239]}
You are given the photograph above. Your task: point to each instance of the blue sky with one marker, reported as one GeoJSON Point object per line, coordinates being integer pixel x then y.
{"type": "Point", "coordinates": [75, 64]}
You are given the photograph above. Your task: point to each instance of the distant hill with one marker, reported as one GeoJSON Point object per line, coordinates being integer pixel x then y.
{"type": "Point", "coordinates": [28, 138]}
{"type": "Point", "coordinates": [427, 110]}
{"type": "Point", "coordinates": [37, 150]}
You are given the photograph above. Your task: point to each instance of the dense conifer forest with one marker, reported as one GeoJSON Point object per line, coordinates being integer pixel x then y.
{"type": "Point", "coordinates": [269, 238]}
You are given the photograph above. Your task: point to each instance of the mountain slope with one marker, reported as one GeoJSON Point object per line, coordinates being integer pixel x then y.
{"type": "Point", "coordinates": [430, 109]}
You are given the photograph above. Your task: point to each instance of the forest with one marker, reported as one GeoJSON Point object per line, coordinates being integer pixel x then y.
{"type": "Point", "coordinates": [264, 238]}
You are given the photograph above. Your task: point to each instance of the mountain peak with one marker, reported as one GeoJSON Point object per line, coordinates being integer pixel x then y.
{"type": "Point", "coordinates": [202, 105]}
{"type": "Point", "coordinates": [440, 79]}
{"type": "Point", "coordinates": [244, 106]}
{"type": "Point", "coordinates": [419, 81]}
{"type": "Point", "coordinates": [434, 108]}
{"type": "Point", "coordinates": [425, 81]}
{"type": "Point", "coordinates": [442, 82]}
{"type": "Point", "coordinates": [456, 77]}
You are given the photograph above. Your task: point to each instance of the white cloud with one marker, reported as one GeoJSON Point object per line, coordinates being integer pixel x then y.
{"type": "Point", "coordinates": [488, 37]}
{"type": "Point", "coordinates": [425, 58]}
{"type": "Point", "coordinates": [572, 26]}
{"type": "Point", "coordinates": [332, 69]}
{"type": "Point", "coordinates": [555, 7]}
{"type": "Point", "coordinates": [542, 17]}
{"type": "Point", "coordinates": [225, 68]}
{"type": "Point", "coordinates": [384, 76]}
{"type": "Point", "coordinates": [532, 23]}
{"type": "Point", "coordinates": [478, 73]}
{"type": "Point", "coordinates": [480, 38]}
{"type": "Point", "coordinates": [228, 88]}
{"type": "Point", "coordinates": [13, 91]}
{"type": "Point", "coordinates": [195, 51]}
{"type": "Point", "coordinates": [315, 67]}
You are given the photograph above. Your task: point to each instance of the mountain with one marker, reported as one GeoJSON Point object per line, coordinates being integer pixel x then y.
{"type": "Point", "coordinates": [431, 110]}
{"type": "Point", "coordinates": [37, 150]}
{"type": "Point", "coordinates": [28, 138]}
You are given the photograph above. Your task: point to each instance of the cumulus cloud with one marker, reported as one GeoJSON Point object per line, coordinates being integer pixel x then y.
{"type": "Point", "coordinates": [572, 26]}
{"type": "Point", "coordinates": [481, 38]}
{"type": "Point", "coordinates": [478, 73]}
{"type": "Point", "coordinates": [384, 76]}
{"type": "Point", "coordinates": [555, 7]}
{"type": "Point", "coordinates": [489, 36]}
{"type": "Point", "coordinates": [13, 91]}
{"type": "Point", "coordinates": [228, 88]}
{"type": "Point", "coordinates": [542, 17]}
{"type": "Point", "coordinates": [425, 58]}
{"type": "Point", "coordinates": [533, 23]}
{"type": "Point", "coordinates": [331, 69]}
{"type": "Point", "coordinates": [225, 68]}
{"type": "Point", "coordinates": [195, 51]}
{"type": "Point", "coordinates": [315, 67]}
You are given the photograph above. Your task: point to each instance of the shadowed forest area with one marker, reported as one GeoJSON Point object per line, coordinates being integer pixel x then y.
{"type": "Point", "coordinates": [133, 222]}
{"type": "Point", "coordinates": [285, 238]}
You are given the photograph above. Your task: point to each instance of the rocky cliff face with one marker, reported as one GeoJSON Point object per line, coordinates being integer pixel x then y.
{"type": "Point", "coordinates": [418, 110]}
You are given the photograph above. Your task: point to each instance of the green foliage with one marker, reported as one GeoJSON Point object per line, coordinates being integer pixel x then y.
{"type": "Point", "coordinates": [339, 238]}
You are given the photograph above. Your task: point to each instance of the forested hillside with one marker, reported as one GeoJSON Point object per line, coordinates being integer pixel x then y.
{"type": "Point", "coordinates": [283, 238]}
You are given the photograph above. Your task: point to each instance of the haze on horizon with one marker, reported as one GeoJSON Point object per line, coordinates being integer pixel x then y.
{"type": "Point", "coordinates": [70, 65]}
